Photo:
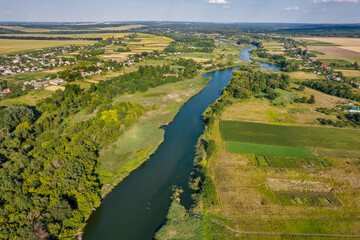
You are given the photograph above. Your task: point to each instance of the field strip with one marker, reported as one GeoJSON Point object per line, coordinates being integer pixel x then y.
{"type": "Point", "coordinates": [238, 147]}
{"type": "Point", "coordinates": [285, 234]}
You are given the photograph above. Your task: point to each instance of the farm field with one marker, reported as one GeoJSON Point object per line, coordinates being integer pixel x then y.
{"type": "Point", "coordinates": [260, 192]}
{"type": "Point", "coordinates": [303, 75]}
{"type": "Point", "coordinates": [273, 47]}
{"type": "Point", "coordinates": [14, 45]}
{"type": "Point", "coordinates": [290, 136]}
{"type": "Point", "coordinates": [75, 35]}
{"type": "Point", "coordinates": [44, 30]}
{"type": "Point", "coordinates": [239, 147]}
{"type": "Point", "coordinates": [336, 48]}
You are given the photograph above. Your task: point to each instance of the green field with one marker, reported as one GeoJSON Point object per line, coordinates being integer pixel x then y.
{"type": "Point", "coordinates": [337, 61]}
{"type": "Point", "coordinates": [290, 136]}
{"type": "Point", "coordinates": [316, 43]}
{"type": "Point", "coordinates": [291, 161]}
{"type": "Point", "coordinates": [238, 147]}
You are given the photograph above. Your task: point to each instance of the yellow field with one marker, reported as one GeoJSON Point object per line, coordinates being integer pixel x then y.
{"type": "Point", "coordinates": [348, 49]}
{"type": "Point", "coordinates": [352, 44]}
{"type": "Point", "coordinates": [350, 73]}
{"type": "Point", "coordinates": [76, 36]}
{"type": "Point", "coordinates": [25, 29]}
{"type": "Point", "coordinates": [303, 75]}
{"type": "Point", "coordinates": [14, 45]}
{"type": "Point", "coordinates": [54, 88]}
{"type": "Point", "coordinates": [274, 47]}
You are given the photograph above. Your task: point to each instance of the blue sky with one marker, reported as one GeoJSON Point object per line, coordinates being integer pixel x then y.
{"type": "Point", "coordinates": [304, 11]}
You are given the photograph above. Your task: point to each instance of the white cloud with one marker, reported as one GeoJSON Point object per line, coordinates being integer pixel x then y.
{"type": "Point", "coordinates": [226, 6]}
{"type": "Point", "coordinates": [218, 1]}
{"type": "Point", "coordinates": [337, 1]}
{"type": "Point", "coordinates": [292, 8]}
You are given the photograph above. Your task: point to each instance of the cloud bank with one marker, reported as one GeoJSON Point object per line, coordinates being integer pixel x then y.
{"type": "Point", "coordinates": [335, 1]}
{"type": "Point", "coordinates": [218, 1]}
{"type": "Point", "coordinates": [292, 8]}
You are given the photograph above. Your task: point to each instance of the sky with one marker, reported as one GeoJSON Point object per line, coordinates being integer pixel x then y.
{"type": "Point", "coordinates": [287, 11]}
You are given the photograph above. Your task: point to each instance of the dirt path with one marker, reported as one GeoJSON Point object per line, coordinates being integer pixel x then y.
{"type": "Point", "coordinates": [286, 234]}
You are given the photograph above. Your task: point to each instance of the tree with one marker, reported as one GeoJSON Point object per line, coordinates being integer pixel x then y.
{"type": "Point", "coordinates": [311, 99]}
{"type": "Point", "coordinates": [356, 65]}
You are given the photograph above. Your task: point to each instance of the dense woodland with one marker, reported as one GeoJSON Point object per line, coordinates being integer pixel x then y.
{"type": "Point", "coordinates": [48, 184]}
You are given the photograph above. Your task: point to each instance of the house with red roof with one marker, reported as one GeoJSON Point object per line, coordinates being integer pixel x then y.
{"type": "Point", "coordinates": [6, 90]}
{"type": "Point", "coordinates": [324, 65]}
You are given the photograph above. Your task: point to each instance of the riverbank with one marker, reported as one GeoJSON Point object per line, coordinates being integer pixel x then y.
{"type": "Point", "coordinates": [137, 145]}
{"type": "Point", "coordinates": [251, 193]}
{"type": "Point", "coordinates": [142, 199]}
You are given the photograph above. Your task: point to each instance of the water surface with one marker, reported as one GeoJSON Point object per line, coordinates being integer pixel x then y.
{"type": "Point", "coordinates": [245, 55]}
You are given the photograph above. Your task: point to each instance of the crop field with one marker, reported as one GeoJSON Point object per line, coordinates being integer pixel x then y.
{"type": "Point", "coordinates": [336, 48]}
{"type": "Point", "coordinates": [352, 44]}
{"type": "Point", "coordinates": [283, 194]}
{"type": "Point", "coordinates": [13, 45]}
{"type": "Point", "coordinates": [40, 30]}
{"type": "Point", "coordinates": [317, 43]}
{"type": "Point", "coordinates": [290, 136]}
{"type": "Point", "coordinates": [238, 147]}
{"type": "Point", "coordinates": [75, 35]}
{"type": "Point", "coordinates": [350, 73]}
{"type": "Point", "coordinates": [290, 161]}
{"type": "Point", "coordinates": [337, 61]}
{"type": "Point", "coordinates": [274, 47]}
{"type": "Point", "coordinates": [303, 75]}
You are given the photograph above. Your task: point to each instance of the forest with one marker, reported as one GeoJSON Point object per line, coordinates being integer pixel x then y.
{"type": "Point", "coordinates": [48, 183]}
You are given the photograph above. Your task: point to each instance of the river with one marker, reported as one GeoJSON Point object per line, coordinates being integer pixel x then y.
{"type": "Point", "coordinates": [245, 55]}
{"type": "Point", "coordinates": [137, 207]}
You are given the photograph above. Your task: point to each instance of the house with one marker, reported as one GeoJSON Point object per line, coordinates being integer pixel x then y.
{"type": "Point", "coordinates": [324, 65]}
{"type": "Point", "coordinates": [354, 110]}
{"type": "Point", "coordinates": [6, 90]}
{"type": "Point", "coordinates": [350, 103]}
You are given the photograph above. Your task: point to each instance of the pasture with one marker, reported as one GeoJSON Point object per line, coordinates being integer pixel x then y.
{"type": "Point", "coordinates": [30, 99]}
{"type": "Point", "coordinates": [290, 136]}
{"type": "Point", "coordinates": [263, 111]}
{"type": "Point", "coordinates": [14, 45]}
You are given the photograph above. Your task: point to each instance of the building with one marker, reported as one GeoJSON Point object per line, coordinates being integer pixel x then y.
{"type": "Point", "coordinates": [354, 110]}
{"type": "Point", "coordinates": [324, 65]}
{"type": "Point", "coordinates": [6, 90]}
